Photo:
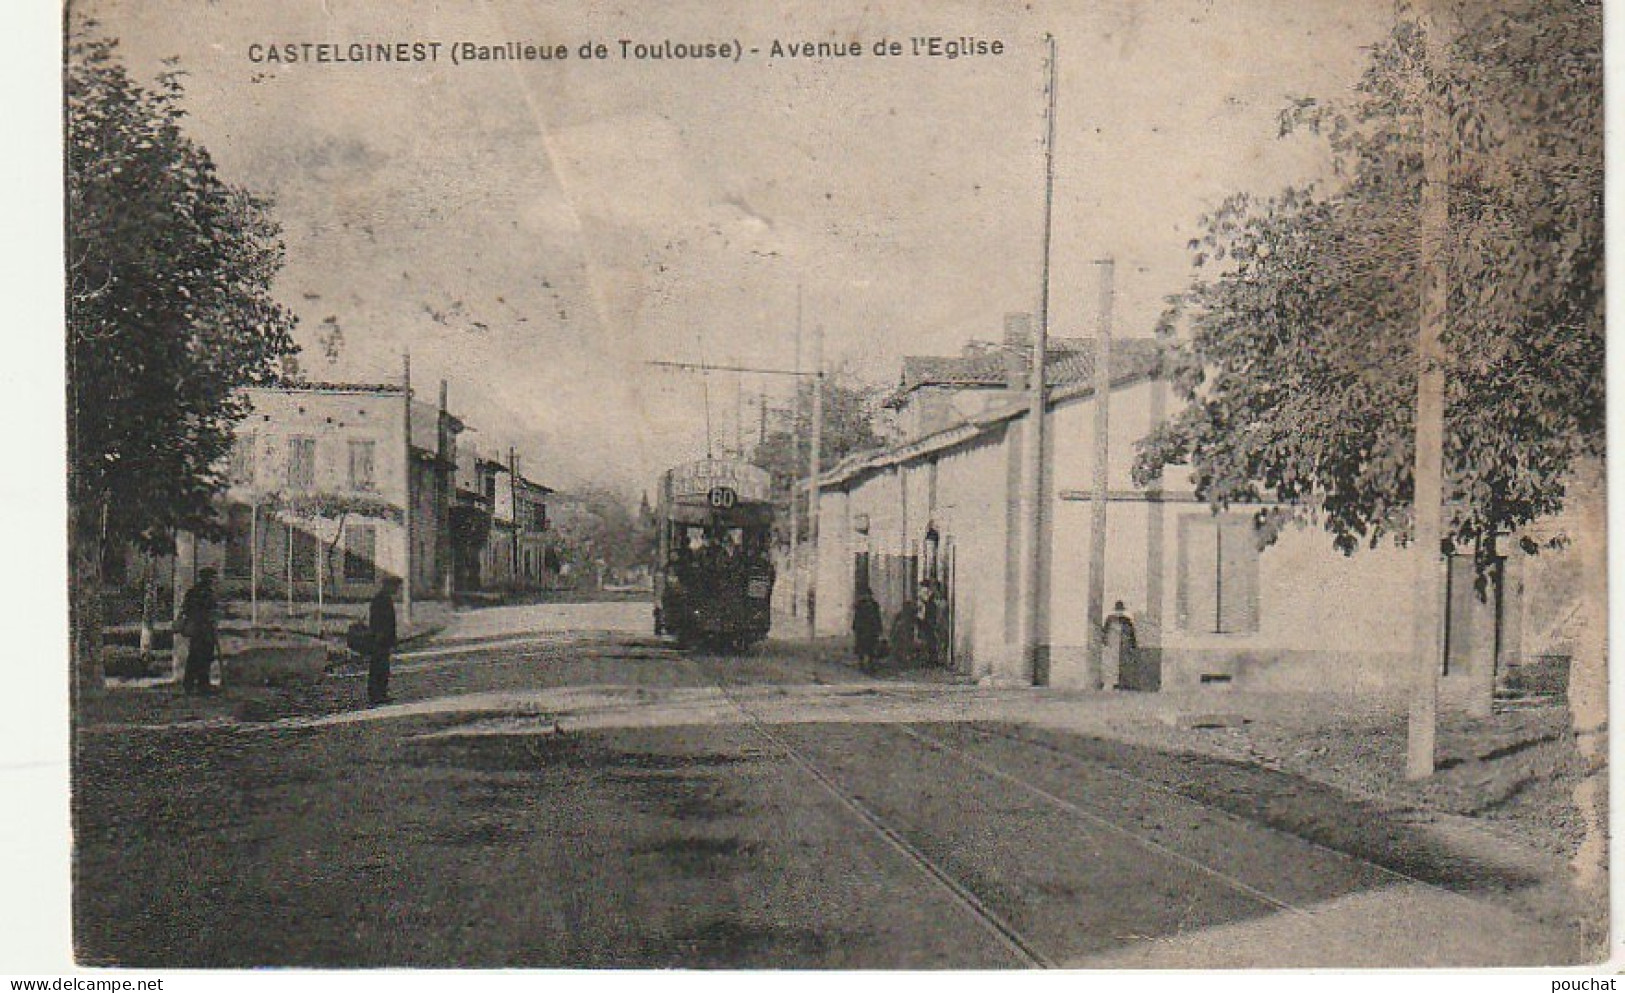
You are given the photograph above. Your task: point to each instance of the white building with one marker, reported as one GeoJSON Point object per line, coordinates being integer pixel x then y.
{"type": "Point", "coordinates": [1209, 606]}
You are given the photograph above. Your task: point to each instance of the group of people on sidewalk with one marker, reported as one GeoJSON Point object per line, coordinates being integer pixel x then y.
{"type": "Point", "coordinates": [199, 623]}
{"type": "Point", "coordinates": [917, 634]}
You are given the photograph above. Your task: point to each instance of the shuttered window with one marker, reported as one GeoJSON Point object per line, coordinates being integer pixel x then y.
{"type": "Point", "coordinates": [362, 476]}
{"type": "Point", "coordinates": [1218, 574]}
{"type": "Point", "coordinates": [301, 463]}
{"type": "Point", "coordinates": [360, 552]}
{"type": "Point", "coordinates": [242, 459]}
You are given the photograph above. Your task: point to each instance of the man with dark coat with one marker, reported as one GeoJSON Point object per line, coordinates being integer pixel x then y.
{"type": "Point", "coordinates": [199, 623]}
{"type": "Point", "coordinates": [1118, 656]}
{"type": "Point", "coordinates": [866, 625]}
{"type": "Point", "coordinates": [380, 639]}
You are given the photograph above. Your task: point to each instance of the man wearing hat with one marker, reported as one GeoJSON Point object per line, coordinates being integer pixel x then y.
{"type": "Point", "coordinates": [381, 639]}
{"type": "Point", "coordinates": [199, 623]}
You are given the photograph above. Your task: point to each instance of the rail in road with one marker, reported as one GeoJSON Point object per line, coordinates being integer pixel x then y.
{"type": "Point", "coordinates": [1019, 945]}
{"type": "Point", "coordinates": [1023, 947]}
{"type": "Point", "coordinates": [1272, 878]}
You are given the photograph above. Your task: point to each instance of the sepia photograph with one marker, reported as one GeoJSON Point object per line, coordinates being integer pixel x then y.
{"type": "Point", "coordinates": [890, 485]}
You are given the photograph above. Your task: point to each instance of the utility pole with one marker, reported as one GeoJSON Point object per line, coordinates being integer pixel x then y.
{"type": "Point", "coordinates": [705, 384]}
{"type": "Point", "coordinates": [814, 489]}
{"type": "Point", "coordinates": [739, 415]}
{"type": "Point", "coordinates": [1102, 474]}
{"type": "Point", "coordinates": [795, 438]}
{"type": "Point", "coordinates": [253, 556]}
{"type": "Point", "coordinates": [444, 482]}
{"type": "Point", "coordinates": [1427, 578]}
{"type": "Point", "coordinates": [1031, 502]}
{"type": "Point", "coordinates": [406, 488]}
{"type": "Point", "coordinates": [513, 513]}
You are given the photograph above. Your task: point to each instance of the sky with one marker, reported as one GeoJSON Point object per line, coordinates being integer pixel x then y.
{"type": "Point", "coordinates": [536, 232]}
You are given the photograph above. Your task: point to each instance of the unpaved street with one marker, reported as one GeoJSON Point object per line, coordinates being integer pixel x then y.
{"type": "Point", "coordinates": [553, 787]}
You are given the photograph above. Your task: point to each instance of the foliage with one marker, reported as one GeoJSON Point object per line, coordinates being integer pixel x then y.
{"type": "Point", "coordinates": [848, 427]}
{"type": "Point", "coordinates": [331, 506]}
{"type": "Point", "coordinates": [606, 528]}
{"type": "Point", "coordinates": [169, 307]}
{"type": "Point", "coordinates": [1300, 371]}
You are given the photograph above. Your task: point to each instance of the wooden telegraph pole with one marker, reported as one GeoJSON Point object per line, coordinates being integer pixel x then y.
{"type": "Point", "coordinates": [1102, 474]}
{"type": "Point", "coordinates": [1032, 586]}
{"type": "Point", "coordinates": [406, 489]}
{"type": "Point", "coordinates": [513, 514]}
{"type": "Point", "coordinates": [795, 435]}
{"type": "Point", "coordinates": [1428, 566]}
{"type": "Point", "coordinates": [813, 489]}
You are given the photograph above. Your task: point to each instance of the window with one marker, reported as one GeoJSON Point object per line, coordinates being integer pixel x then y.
{"type": "Point", "coordinates": [362, 476]}
{"type": "Point", "coordinates": [305, 553]}
{"type": "Point", "coordinates": [360, 553]}
{"type": "Point", "coordinates": [1218, 574]}
{"type": "Point", "coordinates": [242, 459]}
{"type": "Point", "coordinates": [239, 538]}
{"type": "Point", "coordinates": [301, 463]}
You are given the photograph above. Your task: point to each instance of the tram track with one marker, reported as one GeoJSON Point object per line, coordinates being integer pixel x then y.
{"type": "Point", "coordinates": [1020, 946]}
{"type": "Point", "coordinates": [1258, 892]}
{"type": "Point", "coordinates": [1114, 772]}
{"type": "Point", "coordinates": [1394, 875]}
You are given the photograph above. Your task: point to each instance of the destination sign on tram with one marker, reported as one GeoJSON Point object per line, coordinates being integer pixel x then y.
{"type": "Point", "coordinates": [721, 483]}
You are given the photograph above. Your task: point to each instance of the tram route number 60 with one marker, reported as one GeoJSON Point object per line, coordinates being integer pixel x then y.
{"type": "Point", "coordinates": [722, 497]}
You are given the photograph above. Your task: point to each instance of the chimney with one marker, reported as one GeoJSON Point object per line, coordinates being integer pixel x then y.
{"type": "Point", "coordinates": [444, 424]}
{"type": "Point", "coordinates": [1018, 343]}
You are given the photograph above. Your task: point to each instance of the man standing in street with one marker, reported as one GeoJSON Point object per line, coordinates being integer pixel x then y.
{"type": "Point", "coordinates": [199, 624]}
{"type": "Point", "coordinates": [866, 631]}
{"type": "Point", "coordinates": [380, 639]}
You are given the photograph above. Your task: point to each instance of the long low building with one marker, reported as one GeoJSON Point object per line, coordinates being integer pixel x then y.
{"type": "Point", "coordinates": [1209, 605]}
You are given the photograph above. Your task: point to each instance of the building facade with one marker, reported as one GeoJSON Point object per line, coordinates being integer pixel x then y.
{"type": "Point", "coordinates": [320, 482]}
{"type": "Point", "coordinates": [1211, 606]}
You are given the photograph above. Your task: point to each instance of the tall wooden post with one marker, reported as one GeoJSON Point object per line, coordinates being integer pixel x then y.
{"type": "Point", "coordinates": [513, 514]}
{"type": "Point", "coordinates": [1102, 475]}
{"type": "Point", "coordinates": [813, 489]}
{"type": "Point", "coordinates": [1033, 588]}
{"type": "Point", "coordinates": [254, 561]}
{"type": "Point", "coordinates": [1428, 565]}
{"type": "Point", "coordinates": [445, 483]}
{"type": "Point", "coordinates": [795, 438]}
{"type": "Point", "coordinates": [406, 489]}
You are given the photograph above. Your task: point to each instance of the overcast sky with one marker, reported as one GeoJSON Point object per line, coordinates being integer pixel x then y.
{"type": "Point", "coordinates": [534, 232]}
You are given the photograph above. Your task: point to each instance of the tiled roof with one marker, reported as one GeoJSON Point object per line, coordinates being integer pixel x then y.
{"type": "Point", "coordinates": [288, 386]}
{"type": "Point", "coordinates": [1071, 378]}
{"type": "Point", "coordinates": [1071, 360]}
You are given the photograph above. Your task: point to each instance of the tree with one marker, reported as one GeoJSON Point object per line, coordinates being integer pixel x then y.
{"type": "Point", "coordinates": [1300, 373]}
{"type": "Point", "coordinates": [169, 312]}
{"type": "Point", "coordinates": [1300, 370]}
{"type": "Point", "coordinates": [848, 428]}
{"type": "Point", "coordinates": [608, 529]}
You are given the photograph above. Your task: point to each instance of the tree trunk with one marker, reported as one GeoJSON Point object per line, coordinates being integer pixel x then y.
{"type": "Point", "coordinates": [149, 598]}
{"type": "Point", "coordinates": [85, 600]}
{"type": "Point", "coordinates": [1588, 687]}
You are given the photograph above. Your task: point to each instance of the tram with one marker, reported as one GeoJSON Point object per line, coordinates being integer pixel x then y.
{"type": "Point", "coordinates": [713, 581]}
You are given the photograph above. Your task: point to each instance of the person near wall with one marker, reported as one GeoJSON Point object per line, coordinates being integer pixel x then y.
{"type": "Point", "coordinates": [380, 639]}
{"type": "Point", "coordinates": [866, 629]}
{"type": "Point", "coordinates": [199, 623]}
{"type": "Point", "coordinates": [904, 646]}
{"type": "Point", "coordinates": [1117, 660]}
{"type": "Point", "coordinates": [928, 624]}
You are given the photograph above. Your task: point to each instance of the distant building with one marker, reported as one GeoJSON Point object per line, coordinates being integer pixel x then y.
{"type": "Point", "coordinates": [496, 549]}
{"type": "Point", "coordinates": [319, 480]}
